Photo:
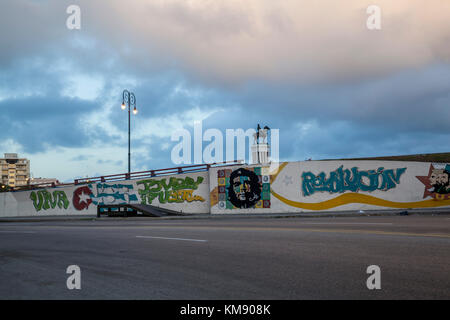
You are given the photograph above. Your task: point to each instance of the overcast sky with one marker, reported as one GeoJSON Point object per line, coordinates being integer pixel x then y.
{"type": "Point", "coordinates": [312, 69]}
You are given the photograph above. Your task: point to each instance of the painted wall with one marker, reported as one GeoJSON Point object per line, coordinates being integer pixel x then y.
{"type": "Point", "coordinates": [188, 193]}
{"type": "Point", "coordinates": [329, 185]}
{"type": "Point", "coordinates": [295, 187]}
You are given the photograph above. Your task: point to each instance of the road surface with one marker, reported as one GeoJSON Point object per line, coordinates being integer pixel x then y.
{"type": "Point", "coordinates": [258, 258]}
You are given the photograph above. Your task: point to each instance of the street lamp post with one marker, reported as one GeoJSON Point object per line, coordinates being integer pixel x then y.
{"type": "Point", "coordinates": [129, 99]}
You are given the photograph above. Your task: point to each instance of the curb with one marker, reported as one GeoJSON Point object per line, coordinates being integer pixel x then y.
{"type": "Point", "coordinates": [335, 214]}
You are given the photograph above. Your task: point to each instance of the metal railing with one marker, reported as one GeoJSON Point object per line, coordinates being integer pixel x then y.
{"type": "Point", "coordinates": [131, 175]}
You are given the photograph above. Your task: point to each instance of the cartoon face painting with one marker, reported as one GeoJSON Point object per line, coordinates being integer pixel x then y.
{"type": "Point", "coordinates": [439, 179]}
{"type": "Point", "coordinates": [443, 178]}
{"type": "Point", "coordinates": [437, 182]}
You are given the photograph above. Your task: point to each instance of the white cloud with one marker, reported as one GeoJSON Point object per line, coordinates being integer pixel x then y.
{"type": "Point", "coordinates": [83, 86]}
{"type": "Point", "coordinates": [10, 146]}
{"type": "Point", "coordinates": [163, 127]}
{"type": "Point", "coordinates": [63, 164]}
{"type": "Point", "coordinates": [233, 41]}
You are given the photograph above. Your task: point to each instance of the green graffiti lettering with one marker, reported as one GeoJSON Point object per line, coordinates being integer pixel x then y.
{"type": "Point", "coordinates": [37, 200]}
{"type": "Point", "coordinates": [176, 190]}
{"type": "Point", "coordinates": [46, 200]}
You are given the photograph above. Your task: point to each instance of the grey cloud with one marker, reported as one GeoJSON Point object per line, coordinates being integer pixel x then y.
{"type": "Point", "coordinates": [42, 123]}
{"type": "Point", "coordinates": [280, 64]}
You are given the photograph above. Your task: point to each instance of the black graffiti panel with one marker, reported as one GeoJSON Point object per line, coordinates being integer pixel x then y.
{"type": "Point", "coordinates": [244, 189]}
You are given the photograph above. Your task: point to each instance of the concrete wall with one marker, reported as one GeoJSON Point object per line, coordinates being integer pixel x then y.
{"type": "Point", "coordinates": [295, 187]}
{"type": "Point", "coordinates": [188, 193]}
{"type": "Point", "coordinates": [329, 186]}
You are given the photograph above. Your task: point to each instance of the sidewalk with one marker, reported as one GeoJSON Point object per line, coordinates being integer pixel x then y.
{"type": "Point", "coordinates": [432, 211]}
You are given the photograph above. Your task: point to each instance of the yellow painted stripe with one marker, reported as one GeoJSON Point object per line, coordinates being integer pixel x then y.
{"type": "Point", "coordinates": [361, 198]}
{"type": "Point", "coordinates": [274, 174]}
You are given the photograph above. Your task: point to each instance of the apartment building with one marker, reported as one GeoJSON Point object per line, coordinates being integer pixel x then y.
{"type": "Point", "coordinates": [15, 171]}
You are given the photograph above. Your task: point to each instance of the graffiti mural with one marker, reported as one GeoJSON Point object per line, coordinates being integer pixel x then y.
{"type": "Point", "coordinates": [82, 198]}
{"type": "Point", "coordinates": [244, 188]}
{"type": "Point", "coordinates": [352, 180]}
{"type": "Point", "coordinates": [437, 183]}
{"type": "Point", "coordinates": [45, 200]}
{"type": "Point", "coordinates": [118, 193]}
{"type": "Point", "coordinates": [177, 190]}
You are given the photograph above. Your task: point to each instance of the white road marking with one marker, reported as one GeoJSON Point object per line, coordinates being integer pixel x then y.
{"type": "Point", "coordinates": [358, 223]}
{"type": "Point", "coordinates": [7, 231]}
{"type": "Point", "coordinates": [148, 237]}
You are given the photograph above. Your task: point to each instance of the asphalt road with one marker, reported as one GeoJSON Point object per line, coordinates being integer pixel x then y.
{"type": "Point", "coordinates": [260, 258]}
